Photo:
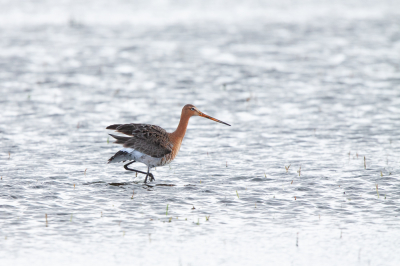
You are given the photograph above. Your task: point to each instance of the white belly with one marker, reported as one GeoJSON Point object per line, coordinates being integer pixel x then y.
{"type": "Point", "coordinates": [142, 158]}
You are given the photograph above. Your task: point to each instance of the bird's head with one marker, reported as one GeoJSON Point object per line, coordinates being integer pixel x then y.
{"type": "Point", "coordinates": [191, 110]}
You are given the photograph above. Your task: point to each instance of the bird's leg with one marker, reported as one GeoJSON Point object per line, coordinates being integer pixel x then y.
{"type": "Point", "coordinates": [148, 171]}
{"type": "Point", "coordinates": [126, 167]}
{"type": "Point", "coordinates": [152, 177]}
{"type": "Point", "coordinates": [149, 175]}
{"type": "Point", "coordinates": [137, 171]}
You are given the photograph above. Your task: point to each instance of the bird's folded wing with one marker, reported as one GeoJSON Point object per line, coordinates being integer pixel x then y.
{"type": "Point", "coordinates": [148, 139]}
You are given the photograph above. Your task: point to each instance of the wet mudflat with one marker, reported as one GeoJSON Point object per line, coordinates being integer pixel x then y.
{"type": "Point", "coordinates": [308, 173]}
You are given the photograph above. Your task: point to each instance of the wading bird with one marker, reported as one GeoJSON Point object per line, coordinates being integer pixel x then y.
{"type": "Point", "coordinates": [150, 144]}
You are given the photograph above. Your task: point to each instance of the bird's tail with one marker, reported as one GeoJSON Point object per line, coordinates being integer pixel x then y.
{"type": "Point", "coordinates": [119, 139]}
{"type": "Point", "coordinates": [113, 126]}
{"type": "Point", "coordinates": [120, 156]}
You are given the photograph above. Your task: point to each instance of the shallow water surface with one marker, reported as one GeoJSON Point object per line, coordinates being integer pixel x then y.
{"type": "Point", "coordinates": [308, 173]}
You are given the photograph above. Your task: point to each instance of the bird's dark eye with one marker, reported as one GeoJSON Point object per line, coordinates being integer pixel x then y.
{"type": "Point", "coordinates": [192, 108]}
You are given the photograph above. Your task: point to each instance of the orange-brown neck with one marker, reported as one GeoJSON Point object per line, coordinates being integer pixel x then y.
{"type": "Point", "coordinates": [176, 137]}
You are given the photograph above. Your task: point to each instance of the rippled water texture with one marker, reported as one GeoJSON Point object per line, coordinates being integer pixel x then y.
{"type": "Point", "coordinates": [312, 87]}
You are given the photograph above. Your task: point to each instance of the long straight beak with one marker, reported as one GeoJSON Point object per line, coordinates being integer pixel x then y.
{"type": "Point", "coordinates": [212, 118]}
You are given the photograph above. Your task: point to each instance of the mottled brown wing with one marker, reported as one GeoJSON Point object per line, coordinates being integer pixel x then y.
{"type": "Point", "coordinates": [148, 139]}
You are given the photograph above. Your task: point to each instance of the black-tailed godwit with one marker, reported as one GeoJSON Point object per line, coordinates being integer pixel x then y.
{"type": "Point", "coordinates": [152, 145]}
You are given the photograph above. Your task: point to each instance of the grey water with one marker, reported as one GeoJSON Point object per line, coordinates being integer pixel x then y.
{"type": "Point", "coordinates": [308, 173]}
